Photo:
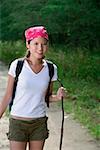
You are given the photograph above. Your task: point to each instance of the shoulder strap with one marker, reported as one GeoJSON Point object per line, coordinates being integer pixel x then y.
{"type": "Point", "coordinates": [51, 73]}
{"type": "Point", "coordinates": [19, 68]}
{"type": "Point", "coordinates": [18, 71]}
{"type": "Point", "coordinates": [51, 69]}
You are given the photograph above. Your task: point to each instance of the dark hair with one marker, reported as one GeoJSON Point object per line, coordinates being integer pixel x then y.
{"type": "Point", "coordinates": [27, 54]}
{"type": "Point", "coordinates": [29, 41]}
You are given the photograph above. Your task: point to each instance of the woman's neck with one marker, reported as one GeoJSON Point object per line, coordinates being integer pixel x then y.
{"type": "Point", "coordinates": [35, 61]}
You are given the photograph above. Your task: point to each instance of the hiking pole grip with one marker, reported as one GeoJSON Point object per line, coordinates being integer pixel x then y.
{"type": "Point", "coordinates": [62, 125]}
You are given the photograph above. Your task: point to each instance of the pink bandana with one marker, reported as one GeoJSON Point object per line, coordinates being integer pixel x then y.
{"type": "Point", "coordinates": [34, 32]}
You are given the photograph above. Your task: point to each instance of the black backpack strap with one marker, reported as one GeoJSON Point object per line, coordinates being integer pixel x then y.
{"type": "Point", "coordinates": [51, 69]}
{"type": "Point", "coordinates": [19, 68]}
{"type": "Point", "coordinates": [51, 73]}
{"type": "Point", "coordinates": [18, 71]}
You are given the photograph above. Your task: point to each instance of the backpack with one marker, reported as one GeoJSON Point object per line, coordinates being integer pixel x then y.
{"type": "Point", "coordinates": [18, 71]}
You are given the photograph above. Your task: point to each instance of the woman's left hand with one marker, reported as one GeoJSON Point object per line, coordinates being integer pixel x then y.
{"type": "Point", "coordinates": [61, 93]}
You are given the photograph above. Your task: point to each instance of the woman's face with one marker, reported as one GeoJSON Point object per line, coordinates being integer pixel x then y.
{"type": "Point", "coordinates": [38, 47]}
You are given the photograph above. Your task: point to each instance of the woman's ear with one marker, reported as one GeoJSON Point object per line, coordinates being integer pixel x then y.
{"type": "Point", "coordinates": [27, 45]}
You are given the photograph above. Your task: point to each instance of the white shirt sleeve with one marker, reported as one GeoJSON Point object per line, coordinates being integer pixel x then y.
{"type": "Point", "coordinates": [54, 78]}
{"type": "Point", "coordinates": [13, 68]}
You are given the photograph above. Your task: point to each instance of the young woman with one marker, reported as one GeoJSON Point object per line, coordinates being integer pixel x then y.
{"type": "Point", "coordinates": [28, 120]}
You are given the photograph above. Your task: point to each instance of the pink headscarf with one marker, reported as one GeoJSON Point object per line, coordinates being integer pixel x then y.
{"type": "Point", "coordinates": [34, 32]}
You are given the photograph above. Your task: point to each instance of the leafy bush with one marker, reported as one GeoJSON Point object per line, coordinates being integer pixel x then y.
{"type": "Point", "coordinates": [76, 63]}
{"type": "Point", "coordinates": [11, 50]}
{"type": "Point", "coordinates": [76, 23]}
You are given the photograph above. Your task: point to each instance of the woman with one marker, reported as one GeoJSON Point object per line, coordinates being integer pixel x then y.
{"type": "Point", "coordinates": [28, 120]}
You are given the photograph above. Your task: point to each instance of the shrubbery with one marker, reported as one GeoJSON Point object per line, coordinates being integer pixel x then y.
{"type": "Point", "coordinates": [75, 22]}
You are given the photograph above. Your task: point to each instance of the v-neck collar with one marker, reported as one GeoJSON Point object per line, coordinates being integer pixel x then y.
{"type": "Point", "coordinates": [44, 65]}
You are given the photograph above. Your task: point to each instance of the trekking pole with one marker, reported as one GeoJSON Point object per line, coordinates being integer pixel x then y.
{"type": "Point", "coordinates": [62, 125]}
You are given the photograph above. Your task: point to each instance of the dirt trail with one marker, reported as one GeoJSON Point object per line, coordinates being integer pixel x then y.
{"type": "Point", "coordinates": [76, 137]}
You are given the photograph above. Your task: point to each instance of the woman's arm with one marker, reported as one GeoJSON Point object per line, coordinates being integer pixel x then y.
{"type": "Point", "coordinates": [8, 94]}
{"type": "Point", "coordinates": [58, 96]}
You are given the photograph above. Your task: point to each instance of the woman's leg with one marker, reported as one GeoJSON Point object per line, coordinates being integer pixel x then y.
{"type": "Point", "coordinates": [18, 145]}
{"type": "Point", "coordinates": [36, 145]}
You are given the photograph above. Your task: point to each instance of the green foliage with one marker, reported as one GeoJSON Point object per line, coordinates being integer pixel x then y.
{"type": "Point", "coordinates": [16, 16]}
{"type": "Point", "coordinates": [76, 23]}
{"type": "Point", "coordinates": [78, 63]}
{"type": "Point", "coordinates": [11, 50]}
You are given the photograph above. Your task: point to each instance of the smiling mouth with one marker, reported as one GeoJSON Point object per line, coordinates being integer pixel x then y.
{"type": "Point", "coordinates": [40, 53]}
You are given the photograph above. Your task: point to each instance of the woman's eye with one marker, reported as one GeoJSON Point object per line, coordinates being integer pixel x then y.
{"type": "Point", "coordinates": [45, 44]}
{"type": "Point", "coordinates": [36, 43]}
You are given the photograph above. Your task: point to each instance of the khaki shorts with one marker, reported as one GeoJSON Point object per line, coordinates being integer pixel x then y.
{"type": "Point", "coordinates": [25, 131]}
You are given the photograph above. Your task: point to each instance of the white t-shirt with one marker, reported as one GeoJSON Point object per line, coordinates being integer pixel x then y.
{"type": "Point", "coordinates": [31, 88]}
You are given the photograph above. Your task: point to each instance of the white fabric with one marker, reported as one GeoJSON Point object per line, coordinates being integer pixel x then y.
{"type": "Point", "coordinates": [29, 100]}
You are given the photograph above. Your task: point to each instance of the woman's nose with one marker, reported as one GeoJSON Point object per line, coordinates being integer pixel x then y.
{"type": "Point", "coordinates": [40, 47]}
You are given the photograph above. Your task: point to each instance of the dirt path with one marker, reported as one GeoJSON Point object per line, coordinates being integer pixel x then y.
{"type": "Point", "coordinates": [76, 137]}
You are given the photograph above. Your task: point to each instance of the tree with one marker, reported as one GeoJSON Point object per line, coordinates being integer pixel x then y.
{"type": "Point", "coordinates": [75, 22]}
{"type": "Point", "coordinates": [16, 16]}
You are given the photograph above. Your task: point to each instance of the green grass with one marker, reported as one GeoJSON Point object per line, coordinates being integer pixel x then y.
{"type": "Point", "coordinates": [83, 103]}
{"type": "Point", "coordinates": [79, 71]}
